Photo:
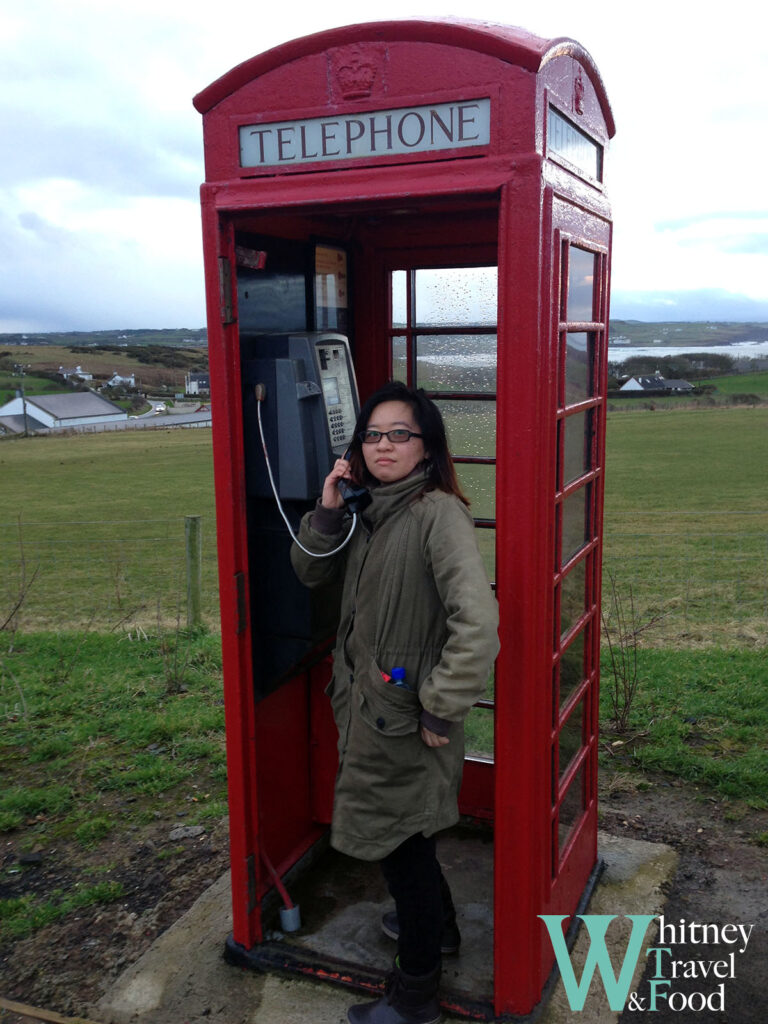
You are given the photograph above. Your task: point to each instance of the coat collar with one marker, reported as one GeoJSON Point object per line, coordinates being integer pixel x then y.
{"type": "Point", "coordinates": [390, 498]}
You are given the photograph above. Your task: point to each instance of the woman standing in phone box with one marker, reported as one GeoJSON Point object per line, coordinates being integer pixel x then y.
{"type": "Point", "coordinates": [415, 595]}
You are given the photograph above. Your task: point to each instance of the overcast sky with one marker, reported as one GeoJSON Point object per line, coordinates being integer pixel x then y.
{"type": "Point", "coordinates": [102, 149]}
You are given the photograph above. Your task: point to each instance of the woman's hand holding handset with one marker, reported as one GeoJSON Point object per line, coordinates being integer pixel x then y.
{"type": "Point", "coordinates": [331, 496]}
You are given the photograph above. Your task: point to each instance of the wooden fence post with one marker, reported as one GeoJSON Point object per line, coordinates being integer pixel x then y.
{"type": "Point", "coordinates": [193, 530]}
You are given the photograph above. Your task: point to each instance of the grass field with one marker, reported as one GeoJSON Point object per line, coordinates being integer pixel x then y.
{"type": "Point", "coordinates": [742, 383]}
{"type": "Point", "coordinates": [689, 465]}
{"type": "Point", "coordinates": [700, 716]}
{"type": "Point", "coordinates": [686, 517]}
{"type": "Point", "coordinates": [102, 719]}
{"type": "Point", "coordinates": [102, 517]}
{"type": "Point", "coordinates": [101, 735]}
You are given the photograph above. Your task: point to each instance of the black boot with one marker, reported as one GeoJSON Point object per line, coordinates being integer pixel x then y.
{"type": "Point", "coordinates": [407, 999]}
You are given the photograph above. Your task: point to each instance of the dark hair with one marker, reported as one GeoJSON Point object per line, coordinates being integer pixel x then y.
{"type": "Point", "coordinates": [441, 474]}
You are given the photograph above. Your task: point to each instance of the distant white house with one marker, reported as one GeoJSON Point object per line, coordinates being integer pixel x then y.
{"type": "Point", "coordinates": [78, 410]}
{"type": "Point", "coordinates": [117, 381]}
{"type": "Point", "coordinates": [197, 383]}
{"type": "Point", "coordinates": [656, 384]}
{"type": "Point", "coordinates": [76, 371]}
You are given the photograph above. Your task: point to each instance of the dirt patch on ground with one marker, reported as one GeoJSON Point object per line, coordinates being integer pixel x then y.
{"type": "Point", "coordinates": [722, 878]}
{"type": "Point", "coordinates": [66, 966]}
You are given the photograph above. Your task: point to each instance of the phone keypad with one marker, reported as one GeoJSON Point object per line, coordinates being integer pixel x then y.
{"type": "Point", "coordinates": [338, 385]}
{"type": "Point", "coordinates": [336, 425]}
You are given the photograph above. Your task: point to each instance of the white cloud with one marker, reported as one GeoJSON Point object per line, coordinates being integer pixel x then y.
{"type": "Point", "coordinates": [83, 266]}
{"type": "Point", "coordinates": [103, 149]}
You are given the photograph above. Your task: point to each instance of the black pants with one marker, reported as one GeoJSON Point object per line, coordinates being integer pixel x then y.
{"type": "Point", "coordinates": [422, 901]}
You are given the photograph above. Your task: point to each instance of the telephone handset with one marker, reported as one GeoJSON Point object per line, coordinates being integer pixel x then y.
{"type": "Point", "coordinates": [356, 497]}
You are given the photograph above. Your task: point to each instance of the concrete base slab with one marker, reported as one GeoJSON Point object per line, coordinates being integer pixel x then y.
{"type": "Point", "coordinates": [632, 883]}
{"type": "Point", "coordinates": [342, 902]}
{"type": "Point", "coordinates": [183, 978]}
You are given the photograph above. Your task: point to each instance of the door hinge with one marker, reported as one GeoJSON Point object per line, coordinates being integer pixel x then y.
{"type": "Point", "coordinates": [226, 298]}
{"type": "Point", "coordinates": [240, 603]}
{"type": "Point", "coordinates": [250, 867]}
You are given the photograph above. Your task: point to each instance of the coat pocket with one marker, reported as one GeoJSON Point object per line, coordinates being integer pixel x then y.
{"type": "Point", "coordinates": [388, 709]}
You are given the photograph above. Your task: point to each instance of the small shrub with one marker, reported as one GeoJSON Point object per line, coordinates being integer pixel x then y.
{"type": "Point", "coordinates": [622, 630]}
{"type": "Point", "coordinates": [20, 803]}
{"type": "Point", "coordinates": [10, 820]}
{"type": "Point", "coordinates": [741, 398]}
{"type": "Point", "coordinates": [23, 915]}
{"type": "Point", "coordinates": [213, 811]}
{"type": "Point", "coordinates": [91, 832]}
{"type": "Point", "coordinates": [50, 748]}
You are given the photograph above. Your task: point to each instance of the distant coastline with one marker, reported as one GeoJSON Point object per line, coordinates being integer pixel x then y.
{"type": "Point", "coordinates": [187, 337]}
{"type": "Point", "coordinates": [627, 339]}
{"type": "Point", "coordinates": [618, 353]}
{"type": "Point", "coordinates": [701, 334]}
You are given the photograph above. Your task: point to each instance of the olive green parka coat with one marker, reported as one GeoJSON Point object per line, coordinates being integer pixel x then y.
{"type": "Point", "coordinates": [415, 594]}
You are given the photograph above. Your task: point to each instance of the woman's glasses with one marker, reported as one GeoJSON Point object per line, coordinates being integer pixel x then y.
{"type": "Point", "coordinates": [398, 436]}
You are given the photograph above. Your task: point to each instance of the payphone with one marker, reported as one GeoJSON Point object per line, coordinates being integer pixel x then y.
{"type": "Point", "coordinates": [302, 387]}
{"type": "Point", "coordinates": [300, 405]}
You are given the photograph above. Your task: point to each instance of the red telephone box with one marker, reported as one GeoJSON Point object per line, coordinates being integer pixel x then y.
{"type": "Point", "coordinates": [432, 192]}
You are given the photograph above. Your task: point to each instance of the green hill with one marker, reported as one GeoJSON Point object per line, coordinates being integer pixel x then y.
{"type": "Point", "coordinates": [697, 333]}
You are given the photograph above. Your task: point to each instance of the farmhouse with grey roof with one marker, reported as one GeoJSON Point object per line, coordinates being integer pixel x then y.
{"type": "Point", "coordinates": [656, 383]}
{"type": "Point", "coordinates": [77, 410]}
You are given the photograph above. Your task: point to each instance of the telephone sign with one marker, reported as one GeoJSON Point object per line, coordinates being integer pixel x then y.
{"type": "Point", "coordinates": [425, 129]}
